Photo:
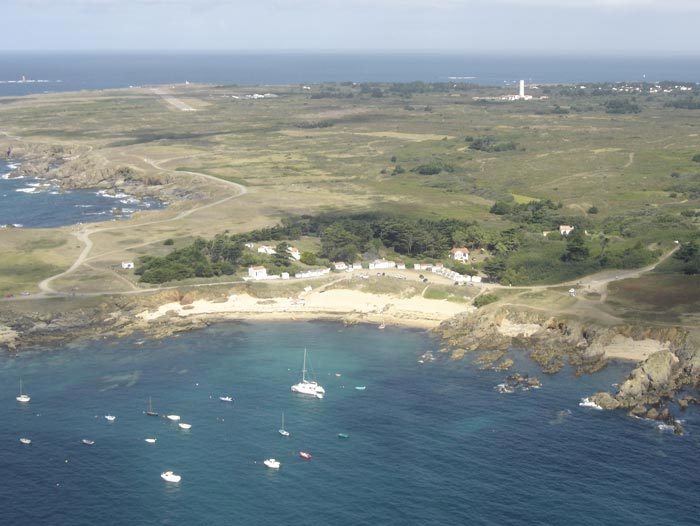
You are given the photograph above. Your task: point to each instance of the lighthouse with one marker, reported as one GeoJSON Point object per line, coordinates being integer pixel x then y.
{"type": "Point", "coordinates": [522, 89]}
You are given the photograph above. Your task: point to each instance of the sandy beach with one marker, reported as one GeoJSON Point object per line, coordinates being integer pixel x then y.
{"type": "Point", "coordinates": [347, 305]}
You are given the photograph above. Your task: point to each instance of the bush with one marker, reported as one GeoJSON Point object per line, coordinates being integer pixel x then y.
{"type": "Point", "coordinates": [169, 242]}
{"type": "Point", "coordinates": [696, 158]}
{"type": "Point", "coordinates": [484, 299]}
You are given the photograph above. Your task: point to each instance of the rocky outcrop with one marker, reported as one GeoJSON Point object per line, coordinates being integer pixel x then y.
{"type": "Point", "coordinates": [78, 167]}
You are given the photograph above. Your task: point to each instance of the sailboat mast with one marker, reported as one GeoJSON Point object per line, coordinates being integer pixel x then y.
{"type": "Point", "coordinates": [303, 369]}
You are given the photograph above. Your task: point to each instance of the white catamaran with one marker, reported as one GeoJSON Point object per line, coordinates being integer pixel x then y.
{"type": "Point", "coordinates": [306, 386]}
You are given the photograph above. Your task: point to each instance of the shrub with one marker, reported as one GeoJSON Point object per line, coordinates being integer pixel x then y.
{"type": "Point", "coordinates": [484, 299]}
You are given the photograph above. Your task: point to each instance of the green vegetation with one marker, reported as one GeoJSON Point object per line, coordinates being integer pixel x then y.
{"type": "Point", "coordinates": [485, 299]}
{"type": "Point", "coordinates": [489, 144]}
{"type": "Point", "coordinates": [398, 170]}
{"type": "Point", "coordinates": [618, 106]}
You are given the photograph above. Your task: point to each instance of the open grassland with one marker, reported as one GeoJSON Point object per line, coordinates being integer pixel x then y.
{"type": "Point", "coordinates": [297, 154]}
{"type": "Point", "coordinates": [28, 256]}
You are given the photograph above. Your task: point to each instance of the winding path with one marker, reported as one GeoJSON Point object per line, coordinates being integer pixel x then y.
{"type": "Point", "coordinates": [84, 233]}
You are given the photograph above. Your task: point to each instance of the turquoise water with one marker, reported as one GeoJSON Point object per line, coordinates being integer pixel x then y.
{"type": "Point", "coordinates": [429, 444]}
{"type": "Point", "coordinates": [35, 203]}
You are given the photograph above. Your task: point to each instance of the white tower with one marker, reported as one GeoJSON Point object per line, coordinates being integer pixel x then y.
{"type": "Point", "coordinates": [522, 89]}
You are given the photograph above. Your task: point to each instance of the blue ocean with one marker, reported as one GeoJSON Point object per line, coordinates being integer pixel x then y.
{"type": "Point", "coordinates": [428, 444]}
{"type": "Point", "coordinates": [36, 203]}
{"type": "Point", "coordinates": [63, 71]}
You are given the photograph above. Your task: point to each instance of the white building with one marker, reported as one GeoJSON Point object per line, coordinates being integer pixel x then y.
{"type": "Point", "coordinates": [357, 266]}
{"type": "Point", "coordinates": [422, 266]}
{"type": "Point", "coordinates": [257, 272]}
{"type": "Point", "coordinates": [565, 230]}
{"type": "Point", "coordinates": [400, 265]}
{"type": "Point", "coordinates": [264, 249]}
{"type": "Point", "coordinates": [459, 254]}
{"type": "Point", "coordinates": [339, 265]}
{"type": "Point", "coordinates": [381, 264]}
{"type": "Point", "coordinates": [127, 264]}
{"type": "Point", "coordinates": [294, 252]}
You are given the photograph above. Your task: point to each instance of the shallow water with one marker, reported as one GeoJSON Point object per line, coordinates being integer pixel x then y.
{"type": "Point", "coordinates": [429, 444]}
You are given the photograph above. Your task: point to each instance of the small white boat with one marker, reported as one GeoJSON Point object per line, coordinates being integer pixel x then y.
{"type": "Point", "coordinates": [88, 442]}
{"type": "Point", "coordinates": [22, 397]}
{"type": "Point", "coordinates": [226, 399]}
{"type": "Point", "coordinates": [26, 441]}
{"type": "Point", "coordinates": [272, 463]}
{"type": "Point", "coordinates": [110, 418]}
{"type": "Point", "coordinates": [282, 430]}
{"type": "Point", "coordinates": [170, 476]}
{"type": "Point", "coordinates": [360, 387]}
{"type": "Point", "coordinates": [184, 426]}
{"type": "Point", "coordinates": [150, 440]}
{"type": "Point", "coordinates": [174, 418]}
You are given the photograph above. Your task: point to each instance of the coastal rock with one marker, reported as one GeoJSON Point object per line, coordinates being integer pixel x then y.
{"type": "Point", "coordinates": [605, 400]}
{"type": "Point", "coordinates": [660, 367]}
{"type": "Point", "coordinates": [633, 388]}
{"type": "Point", "coordinates": [652, 414]}
{"type": "Point", "coordinates": [503, 365]}
{"type": "Point", "coordinates": [8, 338]}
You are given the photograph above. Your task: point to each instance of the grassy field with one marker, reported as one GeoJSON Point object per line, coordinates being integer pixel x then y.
{"type": "Point", "coordinates": [298, 154]}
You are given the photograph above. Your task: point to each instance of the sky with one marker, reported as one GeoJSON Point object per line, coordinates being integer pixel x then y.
{"type": "Point", "coordinates": [627, 26]}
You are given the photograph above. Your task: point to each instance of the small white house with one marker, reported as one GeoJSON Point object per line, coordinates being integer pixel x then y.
{"type": "Point", "coordinates": [400, 265]}
{"type": "Point", "coordinates": [437, 268]}
{"type": "Point", "coordinates": [257, 272]}
{"type": "Point", "coordinates": [357, 266]}
{"type": "Point", "coordinates": [339, 265]}
{"type": "Point", "coordinates": [127, 264]}
{"type": "Point", "coordinates": [294, 252]}
{"type": "Point", "coordinates": [285, 275]}
{"type": "Point", "coordinates": [381, 264]}
{"type": "Point", "coordinates": [264, 249]}
{"type": "Point", "coordinates": [459, 254]}
{"type": "Point", "coordinates": [565, 230]}
{"type": "Point", "coordinates": [422, 266]}
{"type": "Point", "coordinates": [476, 279]}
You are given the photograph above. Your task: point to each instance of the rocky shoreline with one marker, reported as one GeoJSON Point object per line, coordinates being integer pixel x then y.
{"type": "Point", "coordinates": [80, 168]}
{"type": "Point", "coordinates": [667, 378]}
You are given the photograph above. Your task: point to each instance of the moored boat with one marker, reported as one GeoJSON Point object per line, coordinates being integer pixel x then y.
{"type": "Point", "coordinates": [170, 476]}
{"type": "Point", "coordinates": [150, 411]}
{"type": "Point", "coordinates": [343, 435]}
{"type": "Point", "coordinates": [88, 442]}
{"type": "Point", "coordinates": [184, 426]}
{"type": "Point", "coordinates": [305, 455]}
{"type": "Point", "coordinates": [226, 398]}
{"type": "Point", "coordinates": [22, 397]}
{"type": "Point", "coordinates": [282, 430]}
{"type": "Point", "coordinates": [150, 440]}
{"type": "Point", "coordinates": [174, 418]}
{"type": "Point", "coordinates": [307, 386]}
{"type": "Point", "coordinates": [272, 463]}
{"type": "Point", "coordinates": [25, 441]}
{"type": "Point", "coordinates": [110, 418]}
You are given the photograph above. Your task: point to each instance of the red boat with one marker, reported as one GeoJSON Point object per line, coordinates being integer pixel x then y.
{"type": "Point", "coordinates": [305, 455]}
